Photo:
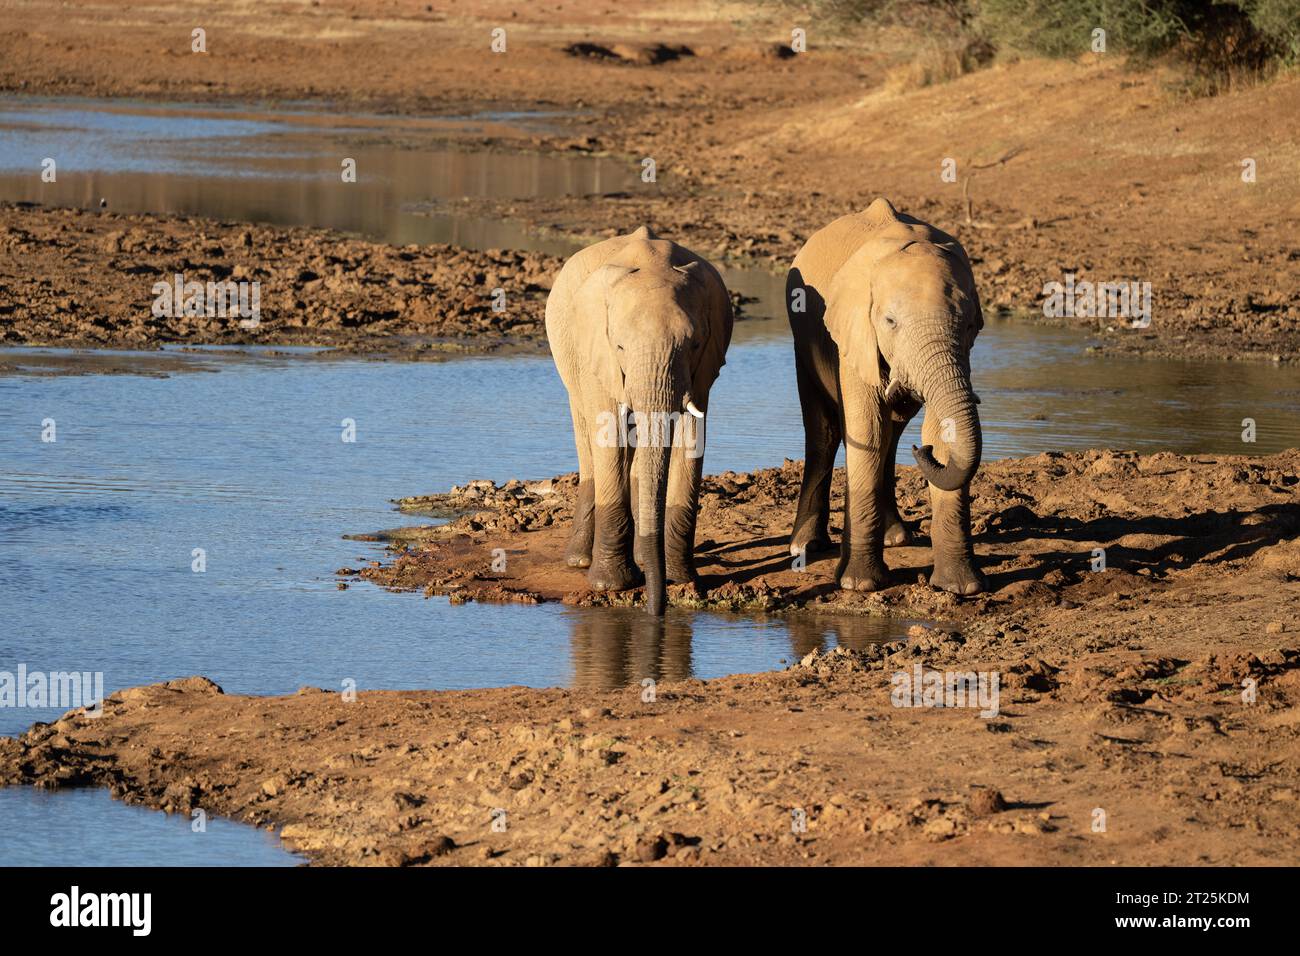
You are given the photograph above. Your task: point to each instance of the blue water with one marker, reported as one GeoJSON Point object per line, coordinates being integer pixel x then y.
{"type": "Point", "coordinates": [83, 827]}
{"type": "Point", "coordinates": [249, 466]}
{"type": "Point", "coordinates": [284, 167]}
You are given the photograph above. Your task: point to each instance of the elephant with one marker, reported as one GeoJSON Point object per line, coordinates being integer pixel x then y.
{"type": "Point", "coordinates": [884, 312]}
{"type": "Point", "coordinates": [639, 328]}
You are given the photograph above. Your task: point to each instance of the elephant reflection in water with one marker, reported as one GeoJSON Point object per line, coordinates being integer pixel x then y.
{"type": "Point", "coordinates": [615, 648]}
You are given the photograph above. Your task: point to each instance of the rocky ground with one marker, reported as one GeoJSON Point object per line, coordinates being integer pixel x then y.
{"type": "Point", "coordinates": [86, 279]}
{"type": "Point", "coordinates": [1146, 713]}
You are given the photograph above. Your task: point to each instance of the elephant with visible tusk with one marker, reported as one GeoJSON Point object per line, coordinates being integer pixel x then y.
{"type": "Point", "coordinates": [884, 312]}
{"type": "Point", "coordinates": [639, 327]}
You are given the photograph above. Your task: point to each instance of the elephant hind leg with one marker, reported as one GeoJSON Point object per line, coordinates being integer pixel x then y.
{"type": "Point", "coordinates": [896, 532]}
{"type": "Point", "coordinates": [822, 435]}
{"type": "Point", "coordinates": [578, 553]}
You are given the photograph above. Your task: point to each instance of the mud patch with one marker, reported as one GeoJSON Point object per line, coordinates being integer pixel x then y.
{"type": "Point", "coordinates": [317, 288]}
{"type": "Point", "coordinates": [1054, 531]}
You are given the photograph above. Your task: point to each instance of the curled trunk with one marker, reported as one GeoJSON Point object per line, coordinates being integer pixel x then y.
{"type": "Point", "coordinates": [948, 394]}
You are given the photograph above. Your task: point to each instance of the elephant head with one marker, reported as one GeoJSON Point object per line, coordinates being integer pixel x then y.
{"type": "Point", "coordinates": [905, 306]}
{"type": "Point", "coordinates": [658, 358]}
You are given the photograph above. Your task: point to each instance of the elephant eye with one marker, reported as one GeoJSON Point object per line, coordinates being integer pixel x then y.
{"type": "Point", "coordinates": [891, 321]}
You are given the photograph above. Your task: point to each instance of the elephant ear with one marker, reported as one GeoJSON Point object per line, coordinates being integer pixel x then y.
{"type": "Point", "coordinates": [848, 319]}
{"type": "Point", "coordinates": [714, 319]}
{"type": "Point", "coordinates": [974, 291]}
{"type": "Point", "coordinates": [955, 253]}
{"type": "Point", "coordinates": [592, 302]}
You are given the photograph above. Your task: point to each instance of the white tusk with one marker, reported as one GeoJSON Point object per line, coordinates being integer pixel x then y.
{"type": "Point", "coordinates": [690, 407]}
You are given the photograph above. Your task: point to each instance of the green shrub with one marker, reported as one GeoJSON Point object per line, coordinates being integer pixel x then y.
{"type": "Point", "coordinates": [1218, 38]}
{"type": "Point", "coordinates": [1064, 27]}
{"type": "Point", "coordinates": [1279, 22]}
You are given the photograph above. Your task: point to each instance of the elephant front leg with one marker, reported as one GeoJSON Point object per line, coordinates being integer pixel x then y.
{"type": "Point", "coordinates": [611, 554]}
{"type": "Point", "coordinates": [862, 552]}
{"type": "Point", "coordinates": [954, 555]}
{"type": "Point", "coordinates": [684, 476]}
{"type": "Point", "coordinates": [578, 553]}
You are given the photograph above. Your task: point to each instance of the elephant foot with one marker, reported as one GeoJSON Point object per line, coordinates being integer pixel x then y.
{"type": "Point", "coordinates": [809, 540]}
{"type": "Point", "coordinates": [680, 571]}
{"type": "Point", "coordinates": [863, 574]}
{"type": "Point", "coordinates": [583, 537]}
{"type": "Point", "coordinates": [578, 554]}
{"type": "Point", "coordinates": [958, 576]}
{"type": "Point", "coordinates": [613, 575]}
{"type": "Point", "coordinates": [896, 533]}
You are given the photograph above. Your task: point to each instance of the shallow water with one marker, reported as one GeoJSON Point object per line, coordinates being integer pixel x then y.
{"type": "Point", "coordinates": [285, 168]}
{"type": "Point", "coordinates": [87, 827]}
{"type": "Point", "coordinates": [248, 465]}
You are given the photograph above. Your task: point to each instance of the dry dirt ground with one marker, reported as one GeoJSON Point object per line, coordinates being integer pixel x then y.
{"type": "Point", "coordinates": [1146, 714]}
{"type": "Point", "coordinates": [1085, 167]}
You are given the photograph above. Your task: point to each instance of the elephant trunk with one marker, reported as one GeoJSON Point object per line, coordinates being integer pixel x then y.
{"type": "Point", "coordinates": [660, 403]}
{"type": "Point", "coordinates": [652, 489]}
{"type": "Point", "coordinates": [946, 391]}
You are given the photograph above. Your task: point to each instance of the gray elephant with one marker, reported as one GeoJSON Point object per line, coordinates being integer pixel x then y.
{"type": "Point", "coordinates": [884, 312]}
{"type": "Point", "coordinates": [639, 328]}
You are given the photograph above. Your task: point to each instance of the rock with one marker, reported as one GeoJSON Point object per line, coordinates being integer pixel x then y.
{"type": "Point", "coordinates": [985, 802]}
{"type": "Point", "coordinates": [406, 801]}
{"type": "Point", "coordinates": [439, 846]}
{"type": "Point", "coordinates": [651, 848]}
{"type": "Point", "coordinates": [180, 796]}
{"type": "Point", "coordinates": [598, 858]}
{"type": "Point", "coordinates": [194, 685]}
{"type": "Point", "coordinates": [940, 828]}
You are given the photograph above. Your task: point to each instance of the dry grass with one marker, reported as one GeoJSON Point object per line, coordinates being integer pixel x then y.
{"type": "Point", "coordinates": [937, 63]}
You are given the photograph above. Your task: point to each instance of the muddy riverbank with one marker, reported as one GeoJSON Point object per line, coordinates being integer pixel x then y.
{"type": "Point", "coordinates": [1121, 692]}
{"type": "Point", "coordinates": [1163, 521]}
{"type": "Point", "coordinates": [87, 279]}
